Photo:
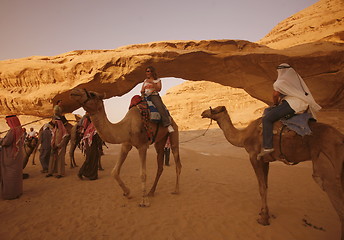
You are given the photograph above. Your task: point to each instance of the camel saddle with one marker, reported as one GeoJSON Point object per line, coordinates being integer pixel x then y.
{"type": "Point", "coordinates": [290, 126]}
{"type": "Point", "coordinates": [154, 114]}
{"type": "Point", "coordinates": [148, 113]}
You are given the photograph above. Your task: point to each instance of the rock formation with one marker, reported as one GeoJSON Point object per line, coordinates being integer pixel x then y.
{"type": "Point", "coordinates": [30, 85]}
{"type": "Point", "coordinates": [323, 21]}
{"type": "Point", "coordinates": [186, 102]}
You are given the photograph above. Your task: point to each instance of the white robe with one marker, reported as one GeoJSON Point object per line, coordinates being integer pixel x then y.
{"type": "Point", "coordinates": [290, 83]}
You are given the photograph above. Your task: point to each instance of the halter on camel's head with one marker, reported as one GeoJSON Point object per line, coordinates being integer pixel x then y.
{"type": "Point", "coordinates": [82, 96]}
{"type": "Point", "coordinates": [214, 111]}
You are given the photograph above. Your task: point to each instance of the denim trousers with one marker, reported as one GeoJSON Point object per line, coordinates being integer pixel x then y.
{"type": "Point", "coordinates": [156, 99]}
{"type": "Point", "coordinates": [271, 115]}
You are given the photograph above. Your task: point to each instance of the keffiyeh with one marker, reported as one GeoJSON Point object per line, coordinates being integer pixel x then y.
{"type": "Point", "coordinates": [290, 83]}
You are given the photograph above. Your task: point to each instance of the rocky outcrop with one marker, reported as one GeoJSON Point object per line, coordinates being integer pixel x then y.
{"type": "Point", "coordinates": [188, 100]}
{"type": "Point", "coordinates": [31, 85]}
{"type": "Point", "coordinates": [323, 21]}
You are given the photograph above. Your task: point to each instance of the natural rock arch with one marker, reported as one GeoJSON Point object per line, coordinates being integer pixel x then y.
{"type": "Point", "coordinates": [235, 63]}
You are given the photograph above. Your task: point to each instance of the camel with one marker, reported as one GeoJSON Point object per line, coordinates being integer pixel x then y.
{"type": "Point", "coordinates": [29, 146]}
{"type": "Point", "coordinates": [75, 138]}
{"type": "Point", "coordinates": [324, 147]}
{"type": "Point", "coordinates": [130, 132]}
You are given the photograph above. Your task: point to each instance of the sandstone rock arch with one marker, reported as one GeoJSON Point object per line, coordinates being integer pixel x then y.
{"type": "Point", "coordinates": [236, 63]}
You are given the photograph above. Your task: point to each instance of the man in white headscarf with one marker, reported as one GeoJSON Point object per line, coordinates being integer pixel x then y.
{"type": "Point", "coordinates": [291, 96]}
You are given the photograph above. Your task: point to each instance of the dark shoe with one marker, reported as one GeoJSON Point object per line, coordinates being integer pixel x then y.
{"type": "Point", "coordinates": [59, 176]}
{"type": "Point", "coordinates": [48, 175]}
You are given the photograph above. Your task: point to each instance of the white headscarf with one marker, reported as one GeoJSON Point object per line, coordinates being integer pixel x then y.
{"type": "Point", "coordinates": [290, 83]}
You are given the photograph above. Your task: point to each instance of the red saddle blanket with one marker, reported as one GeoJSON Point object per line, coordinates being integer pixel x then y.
{"type": "Point", "coordinates": [142, 105]}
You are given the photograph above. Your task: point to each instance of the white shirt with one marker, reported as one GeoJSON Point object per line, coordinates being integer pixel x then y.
{"type": "Point", "coordinates": [298, 105]}
{"type": "Point", "coordinates": [148, 87]}
{"type": "Point", "coordinates": [32, 134]}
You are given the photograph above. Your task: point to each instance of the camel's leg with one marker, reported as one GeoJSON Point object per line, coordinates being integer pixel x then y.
{"type": "Point", "coordinates": [71, 154]}
{"type": "Point", "coordinates": [159, 147]}
{"type": "Point", "coordinates": [261, 169]}
{"type": "Point", "coordinates": [100, 168]}
{"type": "Point", "coordinates": [117, 169]}
{"type": "Point", "coordinates": [34, 154]}
{"type": "Point", "coordinates": [174, 138]}
{"type": "Point", "coordinates": [143, 157]}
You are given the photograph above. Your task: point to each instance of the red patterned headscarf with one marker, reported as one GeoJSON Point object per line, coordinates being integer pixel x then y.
{"type": "Point", "coordinates": [62, 132]}
{"type": "Point", "coordinates": [89, 133]}
{"type": "Point", "coordinates": [14, 123]}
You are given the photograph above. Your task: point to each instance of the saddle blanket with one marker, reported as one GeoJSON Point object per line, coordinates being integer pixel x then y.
{"type": "Point", "coordinates": [153, 111]}
{"type": "Point", "coordinates": [297, 123]}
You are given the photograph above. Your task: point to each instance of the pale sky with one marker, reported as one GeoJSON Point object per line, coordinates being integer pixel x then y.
{"type": "Point", "coordinates": [52, 27]}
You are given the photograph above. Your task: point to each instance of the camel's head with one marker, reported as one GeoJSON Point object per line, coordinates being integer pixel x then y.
{"type": "Point", "coordinates": [212, 113]}
{"type": "Point", "coordinates": [92, 102]}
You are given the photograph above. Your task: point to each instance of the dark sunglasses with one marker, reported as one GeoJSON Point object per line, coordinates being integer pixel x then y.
{"type": "Point", "coordinates": [148, 70]}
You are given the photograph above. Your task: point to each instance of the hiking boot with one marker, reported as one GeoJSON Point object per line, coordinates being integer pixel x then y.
{"type": "Point", "coordinates": [264, 152]}
{"type": "Point", "coordinates": [170, 129]}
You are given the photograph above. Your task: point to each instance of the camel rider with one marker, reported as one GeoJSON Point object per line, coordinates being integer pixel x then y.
{"type": "Point", "coordinates": [151, 88]}
{"type": "Point", "coordinates": [32, 134]}
{"type": "Point", "coordinates": [59, 113]}
{"type": "Point", "coordinates": [290, 96]}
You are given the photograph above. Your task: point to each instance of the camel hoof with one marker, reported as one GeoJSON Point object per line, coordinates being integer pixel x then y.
{"type": "Point", "coordinates": [264, 222]}
{"type": "Point", "coordinates": [175, 193]}
{"type": "Point", "coordinates": [144, 203]}
{"type": "Point", "coordinates": [127, 195]}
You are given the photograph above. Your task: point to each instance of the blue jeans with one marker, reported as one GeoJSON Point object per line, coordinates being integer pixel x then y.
{"type": "Point", "coordinates": [271, 115]}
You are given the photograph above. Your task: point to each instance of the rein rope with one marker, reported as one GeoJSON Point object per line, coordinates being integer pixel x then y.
{"type": "Point", "coordinates": [203, 134]}
{"type": "Point", "coordinates": [28, 123]}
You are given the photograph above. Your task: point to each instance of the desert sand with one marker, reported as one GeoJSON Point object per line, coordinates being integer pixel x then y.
{"type": "Point", "coordinates": [219, 199]}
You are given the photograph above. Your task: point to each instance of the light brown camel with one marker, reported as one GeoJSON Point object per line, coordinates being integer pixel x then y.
{"type": "Point", "coordinates": [130, 132]}
{"type": "Point", "coordinates": [324, 147]}
{"type": "Point", "coordinates": [75, 138]}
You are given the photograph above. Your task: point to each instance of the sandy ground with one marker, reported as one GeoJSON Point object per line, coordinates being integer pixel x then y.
{"type": "Point", "coordinates": [219, 199]}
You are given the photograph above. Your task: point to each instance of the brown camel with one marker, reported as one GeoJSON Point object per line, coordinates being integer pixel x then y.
{"type": "Point", "coordinates": [324, 147]}
{"type": "Point", "coordinates": [29, 146]}
{"type": "Point", "coordinates": [75, 138]}
{"type": "Point", "coordinates": [130, 132]}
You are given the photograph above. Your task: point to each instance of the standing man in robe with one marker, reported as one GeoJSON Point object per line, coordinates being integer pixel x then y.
{"type": "Point", "coordinates": [11, 160]}
{"type": "Point", "coordinates": [59, 141]}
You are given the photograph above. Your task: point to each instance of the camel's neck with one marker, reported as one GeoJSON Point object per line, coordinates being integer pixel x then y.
{"type": "Point", "coordinates": [232, 134]}
{"type": "Point", "coordinates": [109, 132]}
